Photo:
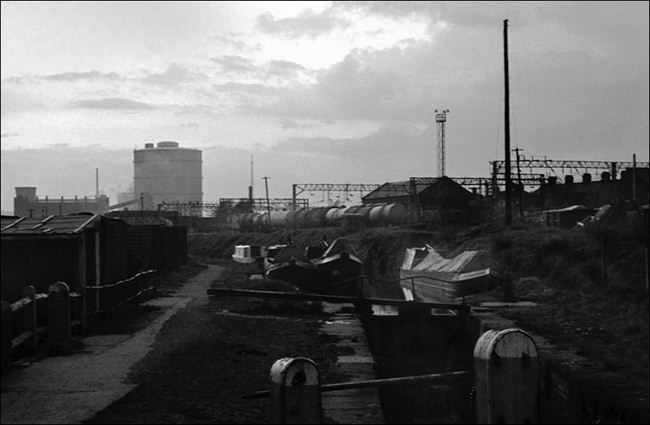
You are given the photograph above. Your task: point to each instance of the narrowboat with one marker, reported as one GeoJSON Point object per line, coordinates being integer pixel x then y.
{"type": "Point", "coordinates": [247, 254]}
{"type": "Point", "coordinates": [427, 276]}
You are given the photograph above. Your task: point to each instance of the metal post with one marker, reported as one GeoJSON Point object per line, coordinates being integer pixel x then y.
{"type": "Point", "coordinates": [293, 196]}
{"type": "Point", "coordinates": [520, 189]}
{"type": "Point", "coordinates": [295, 391]}
{"type": "Point", "coordinates": [508, 198]}
{"type": "Point", "coordinates": [413, 201]}
{"type": "Point", "coordinates": [268, 205]}
{"type": "Point", "coordinates": [634, 177]}
{"type": "Point", "coordinates": [506, 365]}
{"type": "Point", "coordinates": [97, 273]}
{"type": "Point", "coordinates": [81, 276]}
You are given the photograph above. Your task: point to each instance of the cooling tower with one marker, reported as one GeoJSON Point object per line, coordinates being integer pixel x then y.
{"type": "Point", "coordinates": [168, 173]}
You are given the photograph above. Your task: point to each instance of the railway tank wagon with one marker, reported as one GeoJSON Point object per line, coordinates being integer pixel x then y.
{"type": "Point", "coordinates": [304, 218]}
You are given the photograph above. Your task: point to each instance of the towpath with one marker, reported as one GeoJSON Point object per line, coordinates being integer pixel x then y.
{"type": "Point", "coordinates": [71, 389]}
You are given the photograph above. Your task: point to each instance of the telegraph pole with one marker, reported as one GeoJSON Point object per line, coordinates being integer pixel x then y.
{"type": "Point", "coordinates": [250, 188]}
{"type": "Point", "coordinates": [508, 197]}
{"type": "Point", "coordinates": [268, 205]}
{"type": "Point", "coordinates": [521, 187]}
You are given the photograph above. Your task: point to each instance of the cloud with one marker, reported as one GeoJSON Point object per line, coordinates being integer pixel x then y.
{"type": "Point", "coordinates": [284, 68]}
{"type": "Point", "coordinates": [390, 139]}
{"type": "Point", "coordinates": [307, 24]}
{"type": "Point", "coordinates": [288, 123]}
{"type": "Point", "coordinates": [12, 101]}
{"type": "Point", "coordinates": [109, 103]}
{"type": "Point", "coordinates": [76, 76]}
{"type": "Point", "coordinates": [174, 75]}
{"type": "Point", "coordinates": [251, 88]}
{"type": "Point", "coordinates": [234, 41]}
{"type": "Point", "coordinates": [235, 64]}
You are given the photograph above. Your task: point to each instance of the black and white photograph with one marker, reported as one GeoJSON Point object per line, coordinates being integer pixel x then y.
{"type": "Point", "coordinates": [355, 212]}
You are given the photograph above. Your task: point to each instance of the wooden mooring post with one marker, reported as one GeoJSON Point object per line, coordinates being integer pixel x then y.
{"type": "Point", "coordinates": [506, 364]}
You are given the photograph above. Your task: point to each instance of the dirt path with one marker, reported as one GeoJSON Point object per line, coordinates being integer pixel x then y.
{"type": "Point", "coordinates": [71, 389]}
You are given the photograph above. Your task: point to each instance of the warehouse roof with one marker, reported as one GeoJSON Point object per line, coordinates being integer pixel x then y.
{"type": "Point", "coordinates": [65, 224]}
{"type": "Point", "coordinates": [394, 189]}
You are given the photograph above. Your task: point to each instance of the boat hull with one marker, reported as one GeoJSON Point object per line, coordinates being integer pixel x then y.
{"type": "Point", "coordinates": [296, 273]}
{"type": "Point", "coordinates": [434, 286]}
{"type": "Point", "coordinates": [338, 274]}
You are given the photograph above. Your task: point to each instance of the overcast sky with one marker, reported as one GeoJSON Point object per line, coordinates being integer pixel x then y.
{"type": "Point", "coordinates": [318, 92]}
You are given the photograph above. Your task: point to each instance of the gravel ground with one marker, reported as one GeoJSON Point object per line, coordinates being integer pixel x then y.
{"type": "Point", "coordinates": [210, 354]}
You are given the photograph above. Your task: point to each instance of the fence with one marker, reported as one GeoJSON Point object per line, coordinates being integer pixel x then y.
{"type": "Point", "coordinates": [105, 303]}
{"type": "Point", "coordinates": [60, 312]}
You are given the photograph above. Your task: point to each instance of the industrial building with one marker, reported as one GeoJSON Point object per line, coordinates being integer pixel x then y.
{"type": "Point", "coordinates": [27, 204]}
{"type": "Point", "coordinates": [167, 173]}
{"type": "Point", "coordinates": [431, 199]}
{"type": "Point", "coordinates": [632, 185]}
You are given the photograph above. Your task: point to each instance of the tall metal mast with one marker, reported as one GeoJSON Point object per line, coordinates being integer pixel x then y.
{"type": "Point", "coordinates": [508, 193]}
{"type": "Point", "coordinates": [268, 204]}
{"type": "Point", "coordinates": [250, 188]}
{"type": "Point", "coordinates": [441, 118]}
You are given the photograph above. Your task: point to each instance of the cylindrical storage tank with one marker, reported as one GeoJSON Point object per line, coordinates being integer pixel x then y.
{"type": "Point", "coordinates": [353, 209]}
{"type": "Point", "coordinates": [338, 215]}
{"type": "Point", "coordinates": [395, 214]}
{"type": "Point", "coordinates": [245, 220]}
{"type": "Point", "coordinates": [316, 217]}
{"type": "Point", "coordinates": [300, 218]}
{"type": "Point", "coordinates": [278, 218]}
{"type": "Point", "coordinates": [168, 173]}
{"type": "Point", "coordinates": [260, 220]}
{"type": "Point", "coordinates": [365, 211]}
{"type": "Point", "coordinates": [375, 216]}
{"type": "Point", "coordinates": [586, 178]}
{"type": "Point", "coordinates": [568, 179]}
{"type": "Point", "coordinates": [290, 219]}
{"type": "Point", "coordinates": [329, 216]}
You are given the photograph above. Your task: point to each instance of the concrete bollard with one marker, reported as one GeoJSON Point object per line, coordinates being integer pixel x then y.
{"type": "Point", "coordinates": [59, 334]}
{"type": "Point", "coordinates": [5, 335]}
{"type": "Point", "coordinates": [295, 391]}
{"type": "Point", "coordinates": [506, 364]}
